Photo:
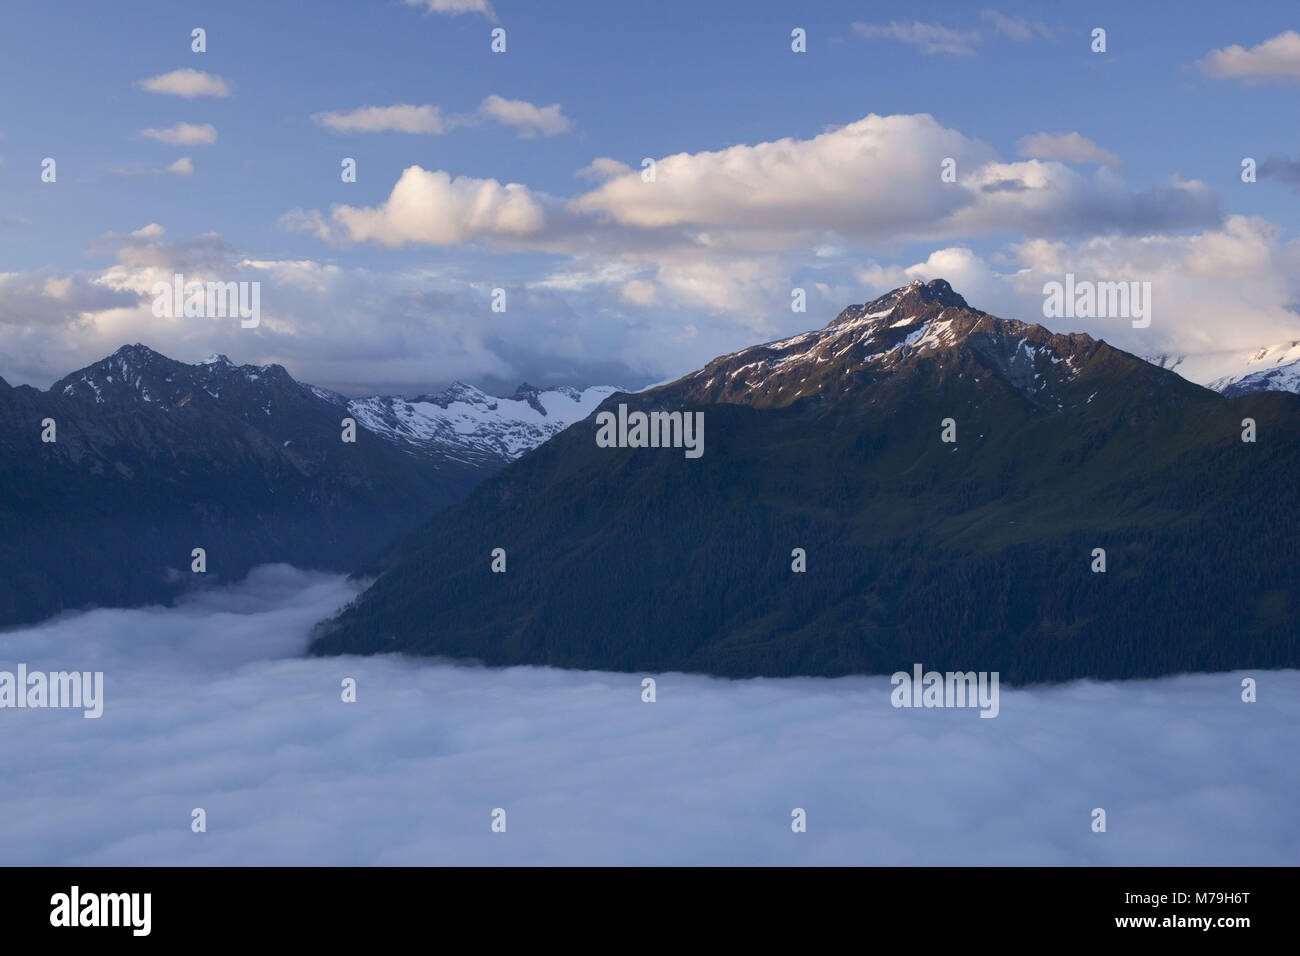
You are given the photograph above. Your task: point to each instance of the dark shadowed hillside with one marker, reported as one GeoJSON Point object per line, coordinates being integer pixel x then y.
{"type": "Point", "coordinates": [973, 554]}
{"type": "Point", "coordinates": [154, 458]}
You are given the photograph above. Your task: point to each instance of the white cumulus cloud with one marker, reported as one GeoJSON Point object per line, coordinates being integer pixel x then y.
{"type": "Point", "coordinates": [429, 206]}
{"type": "Point", "coordinates": [879, 177]}
{"type": "Point", "coordinates": [1277, 58]}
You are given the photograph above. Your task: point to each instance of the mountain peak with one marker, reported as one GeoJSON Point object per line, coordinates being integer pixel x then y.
{"type": "Point", "coordinates": [916, 297]}
{"type": "Point", "coordinates": [134, 353]}
{"type": "Point", "coordinates": [920, 329]}
{"type": "Point", "coordinates": [529, 393]}
{"type": "Point", "coordinates": [939, 290]}
{"type": "Point", "coordinates": [136, 373]}
{"type": "Point", "coordinates": [458, 392]}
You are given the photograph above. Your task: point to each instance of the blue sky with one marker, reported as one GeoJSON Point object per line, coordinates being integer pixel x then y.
{"type": "Point", "coordinates": [600, 289]}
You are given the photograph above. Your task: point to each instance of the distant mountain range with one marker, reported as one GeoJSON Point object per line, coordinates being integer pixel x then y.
{"type": "Point", "coordinates": [1274, 368]}
{"type": "Point", "coordinates": [978, 553]}
{"type": "Point", "coordinates": [153, 457]}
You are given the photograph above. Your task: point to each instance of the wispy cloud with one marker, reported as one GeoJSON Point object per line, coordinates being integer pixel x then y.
{"type": "Point", "coordinates": [602, 168]}
{"type": "Point", "coordinates": [183, 134]}
{"type": "Point", "coordinates": [182, 167]}
{"type": "Point", "coordinates": [455, 7]}
{"type": "Point", "coordinates": [527, 119]}
{"type": "Point", "coordinates": [187, 83]}
{"type": "Point", "coordinates": [936, 38]}
{"type": "Point", "coordinates": [927, 37]}
{"type": "Point", "coordinates": [1017, 28]}
{"type": "Point", "coordinates": [1067, 148]}
{"type": "Point", "coordinates": [401, 118]}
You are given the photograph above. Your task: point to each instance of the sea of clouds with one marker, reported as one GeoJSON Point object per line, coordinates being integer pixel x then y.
{"type": "Point", "coordinates": [210, 704]}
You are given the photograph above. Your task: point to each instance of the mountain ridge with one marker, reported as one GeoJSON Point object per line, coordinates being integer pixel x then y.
{"type": "Point", "coordinates": [153, 457]}
{"type": "Point", "coordinates": [974, 553]}
{"type": "Point", "coordinates": [157, 379]}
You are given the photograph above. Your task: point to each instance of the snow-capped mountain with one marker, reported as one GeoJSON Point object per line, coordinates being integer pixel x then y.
{"type": "Point", "coordinates": [138, 373]}
{"type": "Point", "coordinates": [1275, 368]}
{"type": "Point", "coordinates": [870, 342]}
{"type": "Point", "coordinates": [266, 397]}
{"type": "Point", "coordinates": [460, 423]}
{"type": "Point", "coordinates": [467, 424]}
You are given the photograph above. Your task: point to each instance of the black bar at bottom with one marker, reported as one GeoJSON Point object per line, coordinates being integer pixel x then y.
{"type": "Point", "coordinates": [336, 905]}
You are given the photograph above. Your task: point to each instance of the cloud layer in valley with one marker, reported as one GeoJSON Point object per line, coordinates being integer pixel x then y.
{"type": "Point", "coordinates": [206, 705]}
